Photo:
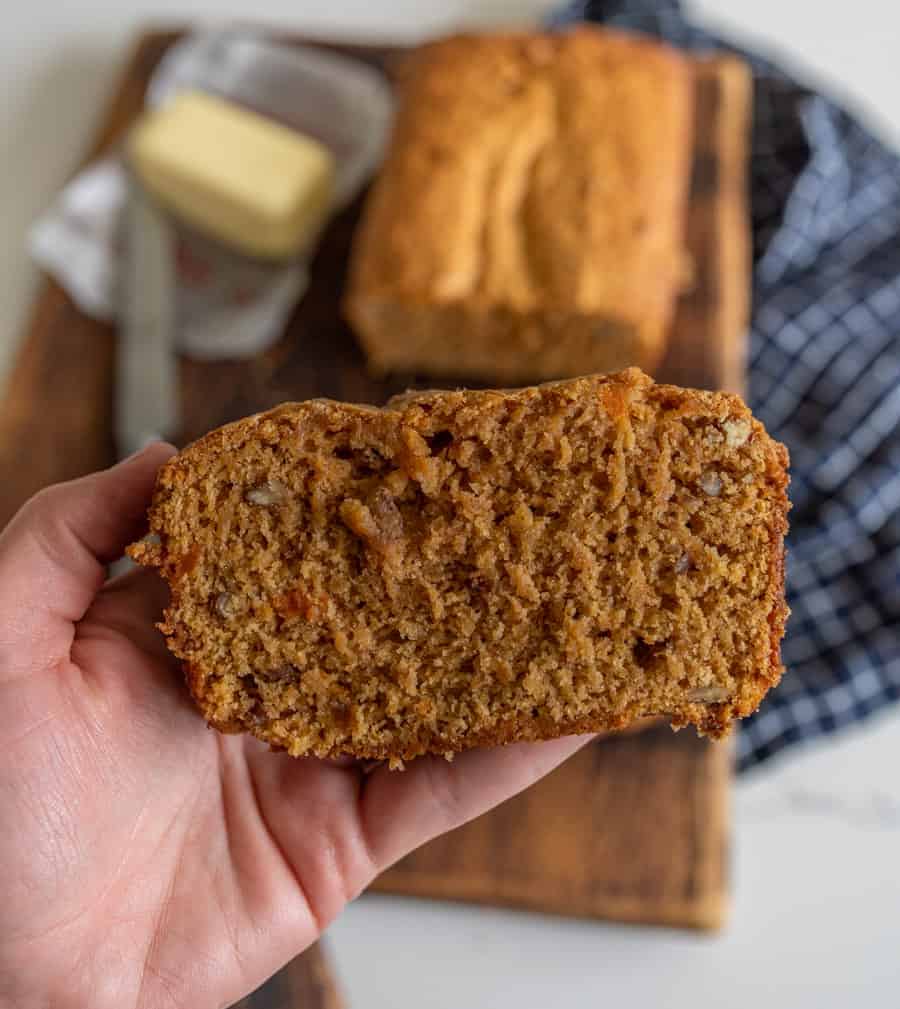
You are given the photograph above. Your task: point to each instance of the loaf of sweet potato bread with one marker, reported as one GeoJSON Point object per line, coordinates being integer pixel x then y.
{"type": "Point", "coordinates": [468, 568]}
{"type": "Point", "coordinates": [529, 221]}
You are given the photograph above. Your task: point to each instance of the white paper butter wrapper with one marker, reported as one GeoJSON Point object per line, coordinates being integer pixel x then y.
{"type": "Point", "coordinates": [227, 306]}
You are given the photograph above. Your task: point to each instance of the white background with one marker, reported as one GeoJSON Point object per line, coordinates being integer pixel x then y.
{"type": "Point", "coordinates": [816, 916]}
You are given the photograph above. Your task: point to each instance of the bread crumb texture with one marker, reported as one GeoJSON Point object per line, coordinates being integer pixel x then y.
{"type": "Point", "coordinates": [475, 568]}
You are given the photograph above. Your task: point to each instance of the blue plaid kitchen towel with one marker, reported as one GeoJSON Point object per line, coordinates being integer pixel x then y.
{"type": "Point", "coordinates": [824, 378]}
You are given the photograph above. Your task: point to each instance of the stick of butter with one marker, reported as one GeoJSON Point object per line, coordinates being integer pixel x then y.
{"type": "Point", "coordinates": [235, 175]}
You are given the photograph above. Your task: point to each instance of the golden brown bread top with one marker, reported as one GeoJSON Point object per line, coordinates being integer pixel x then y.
{"type": "Point", "coordinates": [534, 170]}
{"type": "Point", "coordinates": [423, 408]}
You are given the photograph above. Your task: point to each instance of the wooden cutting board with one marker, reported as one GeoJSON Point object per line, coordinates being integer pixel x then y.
{"type": "Point", "coordinates": [306, 983]}
{"type": "Point", "coordinates": [636, 827]}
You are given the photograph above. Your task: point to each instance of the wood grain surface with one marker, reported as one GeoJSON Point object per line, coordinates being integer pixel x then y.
{"type": "Point", "coordinates": [307, 982]}
{"type": "Point", "coordinates": [635, 828]}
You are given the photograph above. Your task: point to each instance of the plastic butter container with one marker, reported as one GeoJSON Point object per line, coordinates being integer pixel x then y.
{"type": "Point", "coordinates": [340, 102]}
{"type": "Point", "coordinates": [221, 297]}
{"type": "Point", "coordinates": [318, 124]}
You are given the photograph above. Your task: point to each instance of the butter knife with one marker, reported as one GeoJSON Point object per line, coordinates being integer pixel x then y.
{"type": "Point", "coordinates": [146, 389]}
{"type": "Point", "coordinates": [146, 399]}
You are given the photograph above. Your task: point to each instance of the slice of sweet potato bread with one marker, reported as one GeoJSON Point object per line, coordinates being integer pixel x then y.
{"type": "Point", "coordinates": [469, 568]}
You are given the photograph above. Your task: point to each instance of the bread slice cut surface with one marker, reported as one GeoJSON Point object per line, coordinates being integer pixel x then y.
{"type": "Point", "coordinates": [475, 568]}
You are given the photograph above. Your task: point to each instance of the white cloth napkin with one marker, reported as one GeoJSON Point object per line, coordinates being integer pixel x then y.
{"type": "Point", "coordinates": [227, 306]}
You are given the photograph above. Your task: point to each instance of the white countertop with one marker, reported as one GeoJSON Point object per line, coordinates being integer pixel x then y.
{"type": "Point", "coordinates": [816, 915]}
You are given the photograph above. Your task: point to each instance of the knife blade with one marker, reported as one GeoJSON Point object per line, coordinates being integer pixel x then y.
{"type": "Point", "coordinates": [146, 404]}
{"type": "Point", "coordinates": [146, 392]}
